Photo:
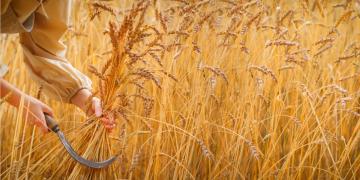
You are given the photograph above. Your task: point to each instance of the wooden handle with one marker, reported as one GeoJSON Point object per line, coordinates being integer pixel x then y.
{"type": "Point", "coordinates": [51, 123]}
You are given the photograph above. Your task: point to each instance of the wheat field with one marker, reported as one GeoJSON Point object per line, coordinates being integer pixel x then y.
{"type": "Point", "coordinates": [208, 89]}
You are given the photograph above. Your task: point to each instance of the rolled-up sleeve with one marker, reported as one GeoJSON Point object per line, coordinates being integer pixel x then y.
{"type": "Point", "coordinates": [44, 53]}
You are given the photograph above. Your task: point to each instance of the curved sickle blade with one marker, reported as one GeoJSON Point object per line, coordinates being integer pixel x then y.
{"type": "Point", "coordinates": [80, 159]}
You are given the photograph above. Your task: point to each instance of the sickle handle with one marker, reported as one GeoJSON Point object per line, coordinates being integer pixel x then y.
{"type": "Point", "coordinates": [51, 123]}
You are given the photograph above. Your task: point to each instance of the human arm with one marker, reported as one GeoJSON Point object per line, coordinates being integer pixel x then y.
{"type": "Point", "coordinates": [44, 56]}
{"type": "Point", "coordinates": [33, 109]}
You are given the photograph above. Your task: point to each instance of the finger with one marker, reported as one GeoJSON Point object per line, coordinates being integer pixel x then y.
{"type": "Point", "coordinates": [46, 109]}
{"type": "Point", "coordinates": [111, 118]}
{"type": "Point", "coordinates": [30, 121]}
{"type": "Point", "coordinates": [109, 127]}
{"type": "Point", "coordinates": [44, 126]}
{"type": "Point", "coordinates": [40, 124]}
{"type": "Point", "coordinates": [96, 106]}
{"type": "Point", "coordinates": [108, 121]}
{"type": "Point", "coordinates": [90, 112]}
{"type": "Point", "coordinates": [28, 118]}
{"type": "Point", "coordinates": [105, 121]}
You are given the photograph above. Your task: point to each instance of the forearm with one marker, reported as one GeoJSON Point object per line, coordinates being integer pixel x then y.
{"type": "Point", "coordinates": [12, 94]}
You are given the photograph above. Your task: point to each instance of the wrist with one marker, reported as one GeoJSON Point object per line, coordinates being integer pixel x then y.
{"type": "Point", "coordinates": [10, 93]}
{"type": "Point", "coordinates": [81, 98]}
{"type": "Point", "coordinates": [15, 98]}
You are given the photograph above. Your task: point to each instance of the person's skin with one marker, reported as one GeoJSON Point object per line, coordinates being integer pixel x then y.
{"type": "Point", "coordinates": [34, 109]}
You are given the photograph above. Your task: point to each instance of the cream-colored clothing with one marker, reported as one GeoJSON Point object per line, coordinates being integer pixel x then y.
{"type": "Point", "coordinates": [43, 51]}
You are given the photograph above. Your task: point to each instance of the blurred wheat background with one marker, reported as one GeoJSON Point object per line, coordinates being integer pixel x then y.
{"type": "Point", "coordinates": [222, 89]}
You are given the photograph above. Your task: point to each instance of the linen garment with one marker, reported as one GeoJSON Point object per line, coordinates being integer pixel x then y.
{"type": "Point", "coordinates": [41, 24]}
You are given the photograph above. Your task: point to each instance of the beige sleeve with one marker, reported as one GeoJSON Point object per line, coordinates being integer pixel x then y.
{"type": "Point", "coordinates": [45, 53]}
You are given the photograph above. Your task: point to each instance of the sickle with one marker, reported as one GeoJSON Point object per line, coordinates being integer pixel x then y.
{"type": "Point", "coordinates": [52, 124]}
